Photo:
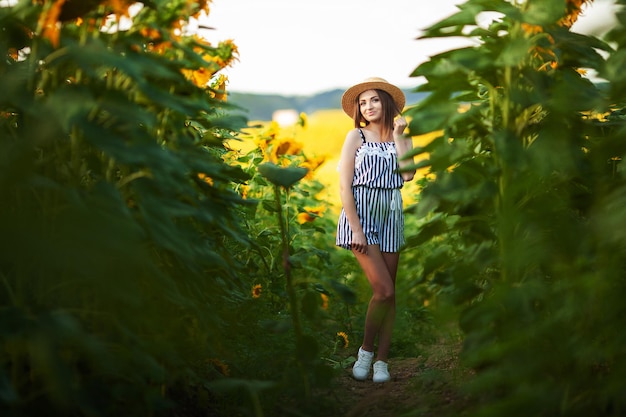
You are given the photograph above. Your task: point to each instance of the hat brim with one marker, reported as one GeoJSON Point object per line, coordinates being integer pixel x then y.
{"type": "Point", "coordinates": [348, 100]}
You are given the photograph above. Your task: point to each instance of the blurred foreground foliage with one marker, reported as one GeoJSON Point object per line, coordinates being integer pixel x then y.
{"type": "Point", "coordinates": [141, 270]}
{"type": "Point", "coordinates": [524, 206]}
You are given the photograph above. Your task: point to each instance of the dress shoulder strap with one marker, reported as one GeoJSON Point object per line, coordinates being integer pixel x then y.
{"type": "Point", "coordinates": [362, 135]}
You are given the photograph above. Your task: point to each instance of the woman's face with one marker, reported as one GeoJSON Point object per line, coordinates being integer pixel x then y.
{"type": "Point", "coordinates": [370, 105]}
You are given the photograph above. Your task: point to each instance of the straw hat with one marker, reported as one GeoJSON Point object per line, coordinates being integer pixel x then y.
{"type": "Point", "coordinates": [348, 100]}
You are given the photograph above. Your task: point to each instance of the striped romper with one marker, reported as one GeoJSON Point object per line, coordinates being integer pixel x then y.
{"type": "Point", "coordinates": [376, 189]}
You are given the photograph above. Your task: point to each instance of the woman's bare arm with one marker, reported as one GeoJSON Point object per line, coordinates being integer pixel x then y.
{"type": "Point", "coordinates": [346, 175]}
{"type": "Point", "coordinates": [404, 144]}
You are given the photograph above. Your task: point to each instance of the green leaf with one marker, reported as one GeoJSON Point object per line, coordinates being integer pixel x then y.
{"type": "Point", "coordinates": [285, 177]}
{"type": "Point", "coordinates": [544, 12]}
{"type": "Point", "coordinates": [514, 52]}
{"type": "Point", "coordinates": [454, 25]}
{"type": "Point", "coordinates": [346, 293]}
{"type": "Point", "coordinates": [435, 227]}
{"type": "Point", "coordinates": [438, 258]}
{"type": "Point", "coordinates": [581, 50]}
{"type": "Point", "coordinates": [269, 205]}
{"type": "Point", "coordinates": [431, 116]}
{"type": "Point", "coordinates": [451, 68]}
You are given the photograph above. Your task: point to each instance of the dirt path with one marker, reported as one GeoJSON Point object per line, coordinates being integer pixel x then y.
{"type": "Point", "coordinates": [365, 398]}
{"type": "Point", "coordinates": [419, 386]}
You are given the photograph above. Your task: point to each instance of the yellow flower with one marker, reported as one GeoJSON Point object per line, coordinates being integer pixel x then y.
{"type": "Point", "coordinates": [272, 129]}
{"type": "Point", "coordinates": [243, 190]}
{"type": "Point", "coordinates": [344, 339]}
{"type": "Point", "coordinates": [305, 218]}
{"type": "Point", "coordinates": [310, 214]}
{"type": "Point", "coordinates": [226, 53]}
{"type": "Point", "coordinates": [49, 21]}
{"type": "Point", "coordinates": [150, 34]}
{"type": "Point", "coordinates": [205, 178]}
{"type": "Point", "coordinates": [324, 301]}
{"type": "Point", "coordinates": [531, 29]}
{"type": "Point", "coordinates": [574, 8]}
{"type": "Point", "coordinates": [199, 77]}
{"type": "Point", "coordinates": [294, 148]}
{"type": "Point", "coordinates": [161, 48]}
{"type": "Point", "coordinates": [545, 56]}
{"type": "Point", "coordinates": [218, 86]}
{"type": "Point", "coordinates": [256, 291]}
{"type": "Point", "coordinates": [312, 164]}
{"type": "Point", "coordinates": [262, 143]}
{"type": "Point", "coordinates": [219, 58]}
{"type": "Point", "coordinates": [13, 54]}
{"type": "Point", "coordinates": [203, 7]}
{"type": "Point", "coordinates": [285, 147]}
{"type": "Point", "coordinates": [318, 211]}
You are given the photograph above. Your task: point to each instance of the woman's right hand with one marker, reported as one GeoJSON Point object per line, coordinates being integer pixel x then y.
{"type": "Point", "coordinates": [359, 242]}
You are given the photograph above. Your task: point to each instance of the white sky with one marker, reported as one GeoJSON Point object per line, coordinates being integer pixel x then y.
{"type": "Point", "coordinates": [301, 47]}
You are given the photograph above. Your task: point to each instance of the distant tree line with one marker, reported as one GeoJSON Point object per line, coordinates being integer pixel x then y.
{"type": "Point", "coordinates": [262, 106]}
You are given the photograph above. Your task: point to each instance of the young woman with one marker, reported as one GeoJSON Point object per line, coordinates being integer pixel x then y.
{"type": "Point", "coordinates": [371, 223]}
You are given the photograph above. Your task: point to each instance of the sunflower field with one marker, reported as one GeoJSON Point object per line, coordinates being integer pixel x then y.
{"type": "Point", "coordinates": [161, 255]}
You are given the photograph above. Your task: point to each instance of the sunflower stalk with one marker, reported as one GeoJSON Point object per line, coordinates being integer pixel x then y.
{"type": "Point", "coordinates": [291, 291]}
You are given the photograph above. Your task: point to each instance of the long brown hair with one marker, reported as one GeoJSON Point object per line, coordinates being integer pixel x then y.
{"type": "Point", "coordinates": [390, 111]}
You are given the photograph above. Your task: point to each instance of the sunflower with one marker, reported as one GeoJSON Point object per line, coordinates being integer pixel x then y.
{"type": "Point", "coordinates": [218, 87]}
{"type": "Point", "coordinates": [343, 337]}
{"type": "Point", "coordinates": [284, 147]}
{"type": "Point", "coordinates": [305, 217]}
{"type": "Point", "coordinates": [546, 57]}
{"type": "Point", "coordinates": [312, 164]}
{"type": "Point", "coordinates": [256, 291]}
{"type": "Point", "coordinates": [310, 214]}
{"type": "Point", "coordinates": [324, 301]}
{"type": "Point", "coordinates": [574, 9]}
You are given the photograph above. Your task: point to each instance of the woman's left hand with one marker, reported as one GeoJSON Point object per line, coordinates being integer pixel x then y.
{"type": "Point", "coordinates": [399, 125]}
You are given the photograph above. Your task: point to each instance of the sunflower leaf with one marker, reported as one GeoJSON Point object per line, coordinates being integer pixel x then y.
{"type": "Point", "coordinates": [285, 177]}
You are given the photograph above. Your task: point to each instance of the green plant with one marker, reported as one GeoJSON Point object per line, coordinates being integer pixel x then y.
{"type": "Point", "coordinates": [295, 267]}
{"type": "Point", "coordinates": [518, 207]}
{"type": "Point", "coordinates": [117, 213]}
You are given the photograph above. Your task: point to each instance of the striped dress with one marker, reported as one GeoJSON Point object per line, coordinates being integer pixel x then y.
{"type": "Point", "coordinates": [376, 188]}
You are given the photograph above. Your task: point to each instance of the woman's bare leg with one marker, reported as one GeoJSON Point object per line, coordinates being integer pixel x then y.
{"type": "Point", "coordinates": [380, 270]}
{"type": "Point", "coordinates": [384, 334]}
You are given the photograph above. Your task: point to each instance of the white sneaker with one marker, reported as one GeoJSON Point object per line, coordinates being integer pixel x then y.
{"type": "Point", "coordinates": [361, 368]}
{"type": "Point", "coordinates": [381, 374]}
